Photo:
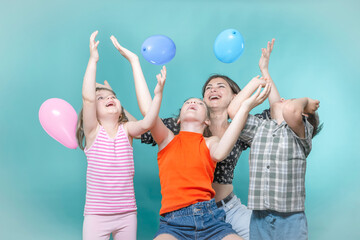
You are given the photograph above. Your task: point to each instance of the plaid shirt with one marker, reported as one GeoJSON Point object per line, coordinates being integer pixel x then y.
{"type": "Point", "coordinates": [277, 164]}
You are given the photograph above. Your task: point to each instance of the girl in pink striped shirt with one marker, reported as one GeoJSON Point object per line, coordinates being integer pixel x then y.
{"type": "Point", "coordinates": [110, 206]}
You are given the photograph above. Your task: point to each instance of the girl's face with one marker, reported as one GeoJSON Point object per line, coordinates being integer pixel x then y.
{"type": "Point", "coordinates": [107, 103]}
{"type": "Point", "coordinates": [194, 109]}
{"type": "Point", "coordinates": [218, 93]}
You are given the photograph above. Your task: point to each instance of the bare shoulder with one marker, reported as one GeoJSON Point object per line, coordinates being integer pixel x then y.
{"type": "Point", "coordinates": [90, 136]}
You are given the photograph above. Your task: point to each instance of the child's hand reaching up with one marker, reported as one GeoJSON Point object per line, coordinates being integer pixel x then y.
{"type": "Point", "coordinates": [130, 56]}
{"type": "Point", "coordinates": [105, 85]}
{"type": "Point", "coordinates": [265, 56]}
{"type": "Point", "coordinates": [94, 54]}
{"type": "Point", "coordinates": [161, 77]}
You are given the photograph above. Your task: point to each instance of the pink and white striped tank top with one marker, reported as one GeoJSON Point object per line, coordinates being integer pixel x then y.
{"type": "Point", "coordinates": [110, 173]}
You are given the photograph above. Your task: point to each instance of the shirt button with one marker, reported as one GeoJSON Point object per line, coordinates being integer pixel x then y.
{"type": "Point", "coordinates": [268, 167]}
{"type": "Point", "coordinates": [274, 135]}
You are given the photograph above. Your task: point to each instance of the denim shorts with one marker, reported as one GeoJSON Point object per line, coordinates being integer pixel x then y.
{"type": "Point", "coordinates": [202, 220]}
{"type": "Point", "coordinates": [238, 216]}
{"type": "Point", "coordinates": [268, 224]}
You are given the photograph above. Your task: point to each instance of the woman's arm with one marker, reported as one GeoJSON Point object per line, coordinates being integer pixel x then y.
{"type": "Point", "coordinates": [244, 94]}
{"type": "Point", "coordinates": [219, 149]}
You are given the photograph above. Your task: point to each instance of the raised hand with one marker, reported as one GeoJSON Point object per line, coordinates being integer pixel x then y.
{"type": "Point", "coordinates": [161, 77]}
{"type": "Point", "coordinates": [312, 106]}
{"type": "Point", "coordinates": [265, 56]}
{"type": "Point", "coordinates": [94, 54]}
{"type": "Point", "coordinates": [130, 56]}
{"type": "Point", "coordinates": [105, 85]}
{"type": "Point", "coordinates": [258, 81]}
{"type": "Point", "coordinates": [258, 97]}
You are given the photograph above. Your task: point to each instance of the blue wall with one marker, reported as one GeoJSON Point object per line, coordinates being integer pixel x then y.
{"type": "Point", "coordinates": [44, 52]}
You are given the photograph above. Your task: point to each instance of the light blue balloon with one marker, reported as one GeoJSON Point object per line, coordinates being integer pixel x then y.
{"type": "Point", "coordinates": [158, 49]}
{"type": "Point", "coordinates": [229, 45]}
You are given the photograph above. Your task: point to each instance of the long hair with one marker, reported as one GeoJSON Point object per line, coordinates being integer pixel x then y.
{"type": "Point", "coordinates": [234, 87]}
{"type": "Point", "coordinates": [80, 135]}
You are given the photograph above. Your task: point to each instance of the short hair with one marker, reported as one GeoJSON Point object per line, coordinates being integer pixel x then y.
{"type": "Point", "coordinates": [233, 85]}
{"type": "Point", "coordinates": [314, 120]}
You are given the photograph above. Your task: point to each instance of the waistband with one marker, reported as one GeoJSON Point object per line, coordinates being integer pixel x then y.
{"type": "Point", "coordinates": [199, 208]}
{"type": "Point", "coordinates": [225, 200]}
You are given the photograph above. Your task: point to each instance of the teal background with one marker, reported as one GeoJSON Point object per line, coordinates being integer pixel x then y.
{"type": "Point", "coordinates": [44, 53]}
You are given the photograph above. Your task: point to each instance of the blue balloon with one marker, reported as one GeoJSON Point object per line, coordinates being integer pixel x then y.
{"type": "Point", "coordinates": [229, 45]}
{"type": "Point", "coordinates": [158, 49]}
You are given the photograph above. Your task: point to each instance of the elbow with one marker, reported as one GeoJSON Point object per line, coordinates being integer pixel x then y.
{"type": "Point", "coordinates": [231, 112]}
{"type": "Point", "coordinates": [291, 111]}
{"type": "Point", "coordinates": [143, 112]}
{"type": "Point", "coordinates": [217, 158]}
{"type": "Point", "coordinates": [147, 125]}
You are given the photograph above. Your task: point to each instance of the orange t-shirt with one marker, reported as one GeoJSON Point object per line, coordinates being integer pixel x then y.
{"type": "Point", "coordinates": [186, 172]}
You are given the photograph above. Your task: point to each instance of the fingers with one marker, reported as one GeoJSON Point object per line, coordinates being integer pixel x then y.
{"type": "Point", "coordinates": [265, 93]}
{"type": "Point", "coordinates": [115, 42]}
{"type": "Point", "coordinates": [93, 35]}
{"type": "Point", "coordinates": [272, 44]}
{"type": "Point", "coordinates": [163, 71]}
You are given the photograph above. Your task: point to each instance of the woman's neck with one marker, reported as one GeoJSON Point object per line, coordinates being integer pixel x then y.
{"type": "Point", "coordinates": [219, 122]}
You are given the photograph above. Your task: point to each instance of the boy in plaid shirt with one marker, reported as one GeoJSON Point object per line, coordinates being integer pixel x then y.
{"type": "Point", "coordinates": [277, 161]}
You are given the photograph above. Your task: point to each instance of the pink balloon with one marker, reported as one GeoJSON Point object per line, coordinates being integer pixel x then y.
{"type": "Point", "coordinates": [59, 119]}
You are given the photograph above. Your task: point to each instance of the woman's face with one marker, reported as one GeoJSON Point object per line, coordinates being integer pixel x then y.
{"type": "Point", "coordinates": [218, 94]}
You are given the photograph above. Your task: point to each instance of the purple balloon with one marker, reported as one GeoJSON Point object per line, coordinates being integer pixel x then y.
{"type": "Point", "coordinates": [158, 49]}
{"type": "Point", "coordinates": [59, 119]}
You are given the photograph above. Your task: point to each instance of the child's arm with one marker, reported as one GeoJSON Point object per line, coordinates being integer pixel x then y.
{"type": "Point", "coordinates": [88, 92]}
{"type": "Point", "coordinates": [141, 88]}
{"type": "Point", "coordinates": [219, 149]}
{"type": "Point", "coordinates": [244, 94]}
{"type": "Point", "coordinates": [161, 134]}
{"type": "Point", "coordinates": [293, 113]}
{"type": "Point", "coordinates": [135, 128]}
{"type": "Point", "coordinates": [274, 95]}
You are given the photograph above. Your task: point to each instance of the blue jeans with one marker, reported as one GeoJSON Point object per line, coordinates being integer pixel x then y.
{"type": "Point", "coordinates": [238, 216]}
{"type": "Point", "coordinates": [202, 220]}
{"type": "Point", "coordinates": [268, 224]}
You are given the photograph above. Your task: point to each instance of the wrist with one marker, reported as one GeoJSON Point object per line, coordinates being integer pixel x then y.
{"type": "Point", "coordinates": [133, 59]}
{"type": "Point", "coordinates": [93, 59]}
{"type": "Point", "coordinates": [264, 71]}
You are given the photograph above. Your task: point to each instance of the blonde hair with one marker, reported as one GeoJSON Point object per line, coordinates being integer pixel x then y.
{"type": "Point", "coordinates": [80, 136]}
